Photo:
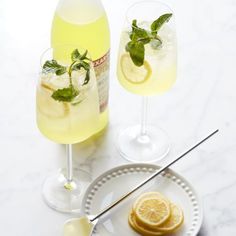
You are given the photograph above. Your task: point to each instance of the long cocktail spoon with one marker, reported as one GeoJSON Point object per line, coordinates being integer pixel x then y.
{"type": "Point", "coordinates": [93, 220]}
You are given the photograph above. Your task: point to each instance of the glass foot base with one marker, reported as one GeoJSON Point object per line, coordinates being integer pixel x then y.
{"type": "Point", "coordinates": [147, 148]}
{"type": "Point", "coordinates": [63, 196]}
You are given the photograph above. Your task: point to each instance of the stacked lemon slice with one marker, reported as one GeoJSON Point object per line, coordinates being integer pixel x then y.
{"type": "Point", "coordinates": [153, 214]}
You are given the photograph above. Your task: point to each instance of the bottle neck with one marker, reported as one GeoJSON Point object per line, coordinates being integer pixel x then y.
{"type": "Point", "coordinates": [80, 11]}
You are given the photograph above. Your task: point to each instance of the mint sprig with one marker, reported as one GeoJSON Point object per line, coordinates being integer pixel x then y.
{"type": "Point", "coordinates": [139, 37]}
{"type": "Point", "coordinates": [79, 61]}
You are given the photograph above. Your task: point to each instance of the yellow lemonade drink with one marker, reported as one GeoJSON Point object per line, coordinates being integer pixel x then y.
{"type": "Point", "coordinates": [67, 122]}
{"type": "Point", "coordinates": [84, 23]}
{"type": "Point", "coordinates": [158, 73]}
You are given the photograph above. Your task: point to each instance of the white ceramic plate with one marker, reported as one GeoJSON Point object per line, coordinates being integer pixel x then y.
{"type": "Point", "coordinates": [114, 183]}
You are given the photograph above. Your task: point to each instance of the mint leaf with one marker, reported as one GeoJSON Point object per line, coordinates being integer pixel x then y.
{"type": "Point", "coordinates": [136, 51]}
{"type": "Point", "coordinates": [86, 67]}
{"type": "Point", "coordinates": [79, 65]}
{"type": "Point", "coordinates": [80, 61]}
{"type": "Point", "coordinates": [129, 46]}
{"type": "Point", "coordinates": [87, 77]}
{"type": "Point", "coordinates": [138, 32]}
{"type": "Point", "coordinates": [84, 56]}
{"type": "Point", "coordinates": [65, 94]}
{"type": "Point", "coordinates": [134, 24]}
{"type": "Point", "coordinates": [157, 24]}
{"type": "Point", "coordinates": [53, 67]}
{"type": "Point", "coordinates": [75, 56]}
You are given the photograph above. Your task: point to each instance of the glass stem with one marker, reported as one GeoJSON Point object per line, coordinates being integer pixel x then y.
{"type": "Point", "coordinates": [144, 116]}
{"type": "Point", "coordinates": [69, 174]}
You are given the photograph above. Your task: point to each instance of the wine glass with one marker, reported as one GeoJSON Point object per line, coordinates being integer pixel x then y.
{"type": "Point", "coordinates": [67, 108]}
{"type": "Point", "coordinates": [146, 66]}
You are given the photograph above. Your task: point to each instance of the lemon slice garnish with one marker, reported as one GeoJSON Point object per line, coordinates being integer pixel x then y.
{"type": "Point", "coordinates": [149, 195]}
{"type": "Point", "coordinates": [140, 229]}
{"type": "Point", "coordinates": [133, 73]}
{"type": "Point", "coordinates": [153, 214]}
{"type": "Point", "coordinates": [48, 106]}
{"type": "Point", "coordinates": [174, 222]}
{"type": "Point", "coordinates": [152, 211]}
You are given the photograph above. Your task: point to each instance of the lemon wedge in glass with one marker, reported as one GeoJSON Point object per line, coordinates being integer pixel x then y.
{"type": "Point", "coordinates": [133, 73]}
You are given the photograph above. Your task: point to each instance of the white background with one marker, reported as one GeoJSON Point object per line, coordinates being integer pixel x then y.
{"type": "Point", "coordinates": [203, 99]}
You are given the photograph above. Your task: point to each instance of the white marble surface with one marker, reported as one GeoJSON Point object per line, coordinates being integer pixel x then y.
{"type": "Point", "coordinates": [203, 98]}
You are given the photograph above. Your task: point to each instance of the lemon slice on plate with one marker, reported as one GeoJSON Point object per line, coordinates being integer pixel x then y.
{"type": "Point", "coordinates": [174, 222]}
{"type": "Point", "coordinates": [140, 229]}
{"type": "Point", "coordinates": [149, 195]}
{"type": "Point", "coordinates": [133, 73]}
{"type": "Point", "coordinates": [152, 211]}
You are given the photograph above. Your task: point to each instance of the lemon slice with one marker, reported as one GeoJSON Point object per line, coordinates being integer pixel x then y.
{"type": "Point", "coordinates": [47, 87]}
{"type": "Point", "coordinates": [174, 222]}
{"type": "Point", "coordinates": [48, 106]}
{"type": "Point", "coordinates": [149, 195]}
{"type": "Point", "coordinates": [133, 73]}
{"type": "Point", "coordinates": [140, 229]}
{"type": "Point", "coordinates": [152, 211]}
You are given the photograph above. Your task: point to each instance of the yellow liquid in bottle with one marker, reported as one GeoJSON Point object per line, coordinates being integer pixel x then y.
{"type": "Point", "coordinates": [89, 29]}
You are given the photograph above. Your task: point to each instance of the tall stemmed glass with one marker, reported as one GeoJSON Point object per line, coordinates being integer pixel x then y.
{"type": "Point", "coordinates": [67, 113]}
{"type": "Point", "coordinates": [146, 66]}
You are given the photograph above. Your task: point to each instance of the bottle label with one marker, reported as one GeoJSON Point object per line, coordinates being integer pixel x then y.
{"type": "Point", "coordinates": [101, 67]}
